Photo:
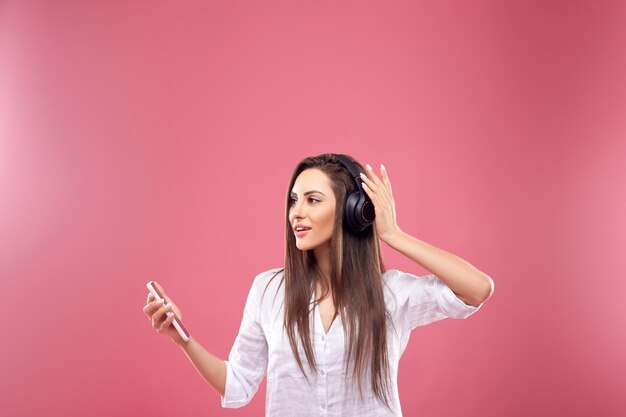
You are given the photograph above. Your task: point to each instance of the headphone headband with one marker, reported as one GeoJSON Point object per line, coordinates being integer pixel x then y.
{"type": "Point", "coordinates": [351, 167]}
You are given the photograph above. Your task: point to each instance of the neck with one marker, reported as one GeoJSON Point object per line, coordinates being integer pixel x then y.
{"type": "Point", "coordinates": [322, 256]}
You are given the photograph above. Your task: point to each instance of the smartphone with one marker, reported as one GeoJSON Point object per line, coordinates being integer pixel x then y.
{"type": "Point", "coordinates": [178, 324]}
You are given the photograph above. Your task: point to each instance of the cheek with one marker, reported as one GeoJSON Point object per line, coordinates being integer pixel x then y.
{"type": "Point", "coordinates": [329, 220]}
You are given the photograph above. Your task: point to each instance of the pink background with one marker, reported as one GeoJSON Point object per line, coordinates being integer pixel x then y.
{"type": "Point", "coordinates": [155, 140]}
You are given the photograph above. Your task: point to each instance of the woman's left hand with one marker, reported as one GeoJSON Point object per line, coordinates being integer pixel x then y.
{"type": "Point", "coordinates": [379, 191]}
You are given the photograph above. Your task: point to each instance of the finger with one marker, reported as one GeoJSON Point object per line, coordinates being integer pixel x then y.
{"type": "Point", "coordinates": [158, 313]}
{"type": "Point", "coordinates": [377, 188]}
{"type": "Point", "coordinates": [157, 316]}
{"type": "Point", "coordinates": [381, 189]}
{"type": "Point", "coordinates": [372, 195]}
{"type": "Point", "coordinates": [150, 297]}
{"type": "Point", "coordinates": [165, 324]}
{"type": "Point", "coordinates": [372, 174]}
{"type": "Point", "coordinates": [386, 181]}
{"type": "Point", "coordinates": [176, 311]}
{"type": "Point", "coordinates": [152, 307]}
{"type": "Point", "coordinates": [368, 181]}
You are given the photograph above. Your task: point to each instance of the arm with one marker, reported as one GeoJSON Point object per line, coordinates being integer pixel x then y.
{"type": "Point", "coordinates": [237, 379]}
{"type": "Point", "coordinates": [209, 366]}
{"type": "Point", "coordinates": [470, 285]}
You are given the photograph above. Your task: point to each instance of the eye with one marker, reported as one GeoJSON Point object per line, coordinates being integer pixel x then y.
{"type": "Point", "coordinates": [292, 200]}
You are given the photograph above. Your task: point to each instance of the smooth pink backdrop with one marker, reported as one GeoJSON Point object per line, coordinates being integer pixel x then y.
{"type": "Point", "coordinates": [154, 141]}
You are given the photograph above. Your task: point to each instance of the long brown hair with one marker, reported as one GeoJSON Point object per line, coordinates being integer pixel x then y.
{"type": "Point", "coordinates": [356, 268]}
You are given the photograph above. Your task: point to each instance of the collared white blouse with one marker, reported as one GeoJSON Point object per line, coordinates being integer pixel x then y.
{"type": "Point", "coordinates": [262, 346]}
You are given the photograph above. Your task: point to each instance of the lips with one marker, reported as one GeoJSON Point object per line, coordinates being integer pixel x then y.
{"type": "Point", "coordinates": [301, 233]}
{"type": "Point", "coordinates": [301, 226]}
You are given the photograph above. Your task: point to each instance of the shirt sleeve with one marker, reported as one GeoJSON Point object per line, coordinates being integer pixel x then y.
{"type": "Point", "coordinates": [426, 299]}
{"type": "Point", "coordinates": [247, 362]}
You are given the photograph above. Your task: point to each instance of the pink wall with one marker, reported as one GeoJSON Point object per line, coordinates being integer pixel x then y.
{"type": "Point", "coordinates": [155, 141]}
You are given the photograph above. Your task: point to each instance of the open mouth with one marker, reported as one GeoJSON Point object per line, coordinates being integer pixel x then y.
{"type": "Point", "coordinates": [302, 231]}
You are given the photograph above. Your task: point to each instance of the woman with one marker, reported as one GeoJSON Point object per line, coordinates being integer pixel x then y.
{"type": "Point", "coordinates": [331, 334]}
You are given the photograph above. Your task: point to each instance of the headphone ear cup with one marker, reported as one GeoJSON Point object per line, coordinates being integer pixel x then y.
{"type": "Point", "coordinates": [359, 212]}
{"type": "Point", "coordinates": [359, 209]}
{"type": "Point", "coordinates": [351, 212]}
{"type": "Point", "coordinates": [366, 209]}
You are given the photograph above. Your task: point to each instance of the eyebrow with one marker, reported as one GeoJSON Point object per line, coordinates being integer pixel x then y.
{"type": "Point", "coordinates": [310, 192]}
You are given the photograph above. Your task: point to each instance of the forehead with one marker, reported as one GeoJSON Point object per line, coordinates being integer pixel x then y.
{"type": "Point", "coordinates": [312, 179]}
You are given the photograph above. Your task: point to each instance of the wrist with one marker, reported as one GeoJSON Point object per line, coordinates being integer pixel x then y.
{"type": "Point", "coordinates": [182, 343]}
{"type": "Point", "coordinates": [392, 237]}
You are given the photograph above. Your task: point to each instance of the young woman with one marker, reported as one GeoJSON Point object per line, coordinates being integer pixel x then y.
{"type": "Point", "coordinates": [330, 326]}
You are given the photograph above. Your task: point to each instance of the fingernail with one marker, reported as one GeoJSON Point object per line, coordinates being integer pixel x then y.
{"type": "Point", "coordinates": [382, 166]}
{"type": "Point", "coordinates": [168, 305]}
{"type": "Point", "coordinates": [160, 301]}
{"type": "Point", "coordinates": [368, 166]}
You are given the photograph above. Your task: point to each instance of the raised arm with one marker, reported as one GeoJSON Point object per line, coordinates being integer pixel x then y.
{"type": "Point", "coordinates": [469, 284]}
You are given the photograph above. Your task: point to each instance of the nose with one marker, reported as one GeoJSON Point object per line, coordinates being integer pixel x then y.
{"type": "Point", "coordinates": [296, 211]}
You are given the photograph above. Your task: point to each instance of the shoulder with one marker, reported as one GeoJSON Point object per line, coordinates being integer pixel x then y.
{"type": "Point", "coordinates": [396, 278]}
{"type": "Point", "coordinates": [267, 279]}
{"type": "Point", "coordinates": [266, 276]}
{"type": "Point", "coordinates": [390, 275]}
{"type": "Point", "coordinates": [403, 283]}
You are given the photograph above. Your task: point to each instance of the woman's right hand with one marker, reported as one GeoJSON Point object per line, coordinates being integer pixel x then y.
{"type": "Point", "coordinates": [161, 315]}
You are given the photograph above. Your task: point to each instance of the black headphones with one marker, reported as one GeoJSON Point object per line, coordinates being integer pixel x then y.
{"type": "Point", "coordinates": [359, 210]}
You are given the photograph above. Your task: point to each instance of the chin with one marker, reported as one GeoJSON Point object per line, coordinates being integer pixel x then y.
{"type": "Point", "coordinates": [302, 246]}
{"type": "Point", "coordinates": [306, 245]}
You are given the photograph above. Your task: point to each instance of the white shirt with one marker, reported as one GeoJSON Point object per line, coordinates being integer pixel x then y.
{"type": "Point", "coordinates": [262, 346]}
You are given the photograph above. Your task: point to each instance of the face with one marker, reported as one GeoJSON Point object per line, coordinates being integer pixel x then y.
{"type": "Point", "coordinates": [312, 204]}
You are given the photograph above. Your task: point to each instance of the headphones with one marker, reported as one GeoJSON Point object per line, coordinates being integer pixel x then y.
{"type": "Point", "coordinates": [359, 211]}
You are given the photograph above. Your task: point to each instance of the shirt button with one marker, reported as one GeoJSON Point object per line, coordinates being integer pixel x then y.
{"type": "Point", "coordinates": [322, 371]}
{"type": "Point", "coordinates": [323, 338]}
{"type": "Point", "coordinates": [324, 406]}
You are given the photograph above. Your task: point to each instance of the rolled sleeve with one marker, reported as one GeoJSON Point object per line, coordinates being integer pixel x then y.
{"type": "Point", "coordinates": [426, 299]}
{"type": "Point", "coordinates": [453, 306]}
{"type": "Point", "coordinates": [234, 394]}
{"type": "Point", "coordinates": [247, 362]}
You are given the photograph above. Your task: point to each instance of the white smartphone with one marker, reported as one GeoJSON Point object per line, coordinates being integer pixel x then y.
{"type": "Point", "coordinates": [178, 323]}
